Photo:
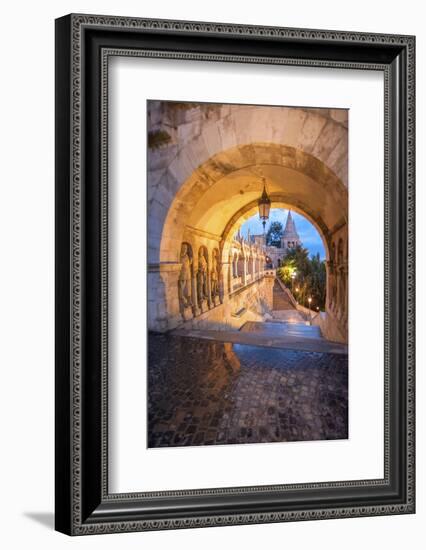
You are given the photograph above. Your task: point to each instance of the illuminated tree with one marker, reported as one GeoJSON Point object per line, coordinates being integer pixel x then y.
{"type": "Point", "coordinates": [310, 276]}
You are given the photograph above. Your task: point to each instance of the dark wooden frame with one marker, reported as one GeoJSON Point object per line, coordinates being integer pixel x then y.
{"type": "Point", "coordinates": [83, 45]}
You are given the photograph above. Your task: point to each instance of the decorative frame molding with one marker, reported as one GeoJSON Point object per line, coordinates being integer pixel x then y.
{"type": "Point", "coordinates": [84, 44]}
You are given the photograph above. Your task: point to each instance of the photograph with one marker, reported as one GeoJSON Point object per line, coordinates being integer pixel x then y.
{"type": "Point", "coordinates": [247, 285]}
{"type": "Point", "coordinates": [211, 254]}
{"type": "Point", "coordinates": [234, 272]}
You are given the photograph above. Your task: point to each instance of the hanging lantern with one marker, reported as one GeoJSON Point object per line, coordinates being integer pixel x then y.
{"type": "Point", "coordinates": [264, 204]}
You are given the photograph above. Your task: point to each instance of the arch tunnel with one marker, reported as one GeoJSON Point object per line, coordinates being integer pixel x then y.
{"type": "Point", "coordinates": [204, 183]}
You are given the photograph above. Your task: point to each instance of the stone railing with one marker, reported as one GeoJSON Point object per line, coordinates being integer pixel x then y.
{"type": "Point", "coordinates": [330, 328]}
{"type": "Point", "coordinates": [239, 283]}
{"type": "Point", "coordinates": [269, 272]}
{"type": "Point", "coordinates": [308, 314]}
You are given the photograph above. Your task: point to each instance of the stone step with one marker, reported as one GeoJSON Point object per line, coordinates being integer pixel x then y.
{"type": "Point", "coordinates": [268, 339]}
{"type": "Point", "coordinates": [280, 299]}
{"type": "Point", "coordinates": [288, 315]}
{"type": "Point", "coordinates": [298, 330]}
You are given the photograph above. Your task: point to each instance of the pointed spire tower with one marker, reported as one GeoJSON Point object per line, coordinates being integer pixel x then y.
{"type": "Point", "coordinates": [290, 238]}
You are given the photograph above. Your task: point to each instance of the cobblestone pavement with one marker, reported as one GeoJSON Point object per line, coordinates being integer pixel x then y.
{"type": "Point", "coordinates": [213, 393]}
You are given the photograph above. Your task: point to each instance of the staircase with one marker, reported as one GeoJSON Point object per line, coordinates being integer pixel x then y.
{"type": "Point", "coordinates": [288, 329]}
{"type": "Point", "coordinates": [280, 300]}
{"type": "Point", "coordinates": [283, 309]}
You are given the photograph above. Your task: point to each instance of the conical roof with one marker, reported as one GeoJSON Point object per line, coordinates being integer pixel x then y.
{"type": "Point", "coordinates": [290, 231]}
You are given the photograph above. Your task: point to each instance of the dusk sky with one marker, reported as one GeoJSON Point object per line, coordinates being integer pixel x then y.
{"type": "Point", "coordinates": [307, 232]}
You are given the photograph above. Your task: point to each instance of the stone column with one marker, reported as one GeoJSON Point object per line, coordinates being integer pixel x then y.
{"type": "Point", "coordinates": [329, 286]}
{"type": "Point", "coordinates": [195, 306]}
{"type": "Point", "coordinates": [210, 302]}
{"type": "Point", "coordinates": [163, 296]}
{"type": "Point", "coordinates": [345, 293]}
{"type": "Point", "coordinates": [244, 274]}
{"type": "Point", "coordinates": [223, 276]}
{"type": "Point", "coordinates": [340, 292]}
{"type": "Point", "coordinates": [268, 282]}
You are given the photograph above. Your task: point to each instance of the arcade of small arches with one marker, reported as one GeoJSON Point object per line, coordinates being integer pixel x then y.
{"type": "Point", "coordinates": [204, 182]}
{"type": "Point", "coordinates": [201, 285]}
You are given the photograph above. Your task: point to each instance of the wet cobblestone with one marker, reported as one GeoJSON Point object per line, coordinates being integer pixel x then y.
{"type": "Point", "coordinates": [213, 393]}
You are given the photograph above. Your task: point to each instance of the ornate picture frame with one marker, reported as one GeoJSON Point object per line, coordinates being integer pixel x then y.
{"type": "Point", "coordinates": [84, 44]}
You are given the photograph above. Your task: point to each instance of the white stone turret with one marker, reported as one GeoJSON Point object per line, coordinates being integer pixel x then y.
{"type": "Point", "coordinates": [290, 238]}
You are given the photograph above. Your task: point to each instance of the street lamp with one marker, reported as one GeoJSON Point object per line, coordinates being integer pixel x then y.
{"type": "Point", "coordinates": [293, 276]}
{"type": "Point", "coordinates": [309, 302]}
{"type": "Point", "coordinates": [264, 204]}
{"type": "Point", "coordinates": [297, 293]}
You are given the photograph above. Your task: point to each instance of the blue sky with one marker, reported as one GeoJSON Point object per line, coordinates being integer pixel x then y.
{"type": "Point", "coordinates": [307, 232]}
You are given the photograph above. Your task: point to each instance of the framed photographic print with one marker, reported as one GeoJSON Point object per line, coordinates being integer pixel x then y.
{"type": "Point", "coordinates": [234, 274]}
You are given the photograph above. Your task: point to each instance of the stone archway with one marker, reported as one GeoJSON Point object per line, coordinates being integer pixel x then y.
{"type": "Point", "coordinates": [231, 181]}
{"type": "Point", "coordinates": [277, 201]}
{"type": "Point", "coordinates": [202, 198]}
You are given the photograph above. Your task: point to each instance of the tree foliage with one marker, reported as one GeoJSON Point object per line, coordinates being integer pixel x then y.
{"type": "Point", "coordinates": [274, 234]}
{"type": "Point", "coordinates": [310, 276]}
